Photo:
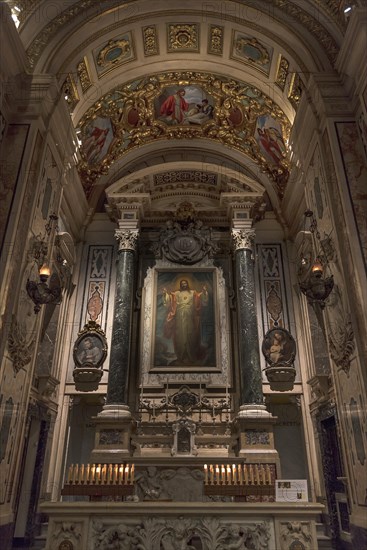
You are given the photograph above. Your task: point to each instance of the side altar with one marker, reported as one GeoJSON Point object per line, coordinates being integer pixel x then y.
{"type": "Point", "coordinates": [188, 459]}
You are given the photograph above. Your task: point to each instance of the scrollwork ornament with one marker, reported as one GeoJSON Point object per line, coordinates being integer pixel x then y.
{"type": "Point", "coordinates": [127, 238]}
{"type": "Point", "coordinates": [296, 534]}
{"type": "Point", "coordinates": [243, 239]}
{"type": "Point", "coordinates": [20, 351]}
{"type": "Point", "coordinates": [342, 345]}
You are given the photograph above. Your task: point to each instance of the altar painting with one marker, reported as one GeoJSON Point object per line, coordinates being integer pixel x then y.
{"type": "Point", "coordinates": [184, 334]}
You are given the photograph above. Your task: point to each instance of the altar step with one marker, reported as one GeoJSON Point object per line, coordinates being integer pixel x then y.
{"type": "Point", "coordinates": [323, 540]}
{"type": "Point", "coordinates": [39, 542]}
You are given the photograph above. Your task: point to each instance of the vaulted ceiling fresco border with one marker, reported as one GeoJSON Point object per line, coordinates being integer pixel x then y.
{"type": "Point", "coordinates": [331, 9]}
{"type": "Point", "coordinates": [314, 26]}
{"type": "Point", "coordinates": [248, 24]}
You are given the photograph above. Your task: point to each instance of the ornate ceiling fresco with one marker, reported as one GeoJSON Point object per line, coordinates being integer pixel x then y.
{"type": "Point", "coordinates": [185, 105]}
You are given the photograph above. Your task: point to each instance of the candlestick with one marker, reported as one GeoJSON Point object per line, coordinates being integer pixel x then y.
{"type": "Point", "coordinates": [121, 474]}
{"type": "Point", "coordinates": [98, 474]}
{"type": "Point", "coordinates": [223, 477]}
{"type": "Point", "coordinates": [92, 473]}
{"type": "Point", "coordinates": [127, 469]}
{"type": "Point", "coordinates": [229, 476]}
{"type": "Point", "coordinates": [211, 474]}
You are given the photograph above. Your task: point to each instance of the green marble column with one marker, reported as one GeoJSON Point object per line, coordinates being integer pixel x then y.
{"type": "Point", "coordinates": [121, 332]}
{"type": "Point", "coordinates": [248, 339]}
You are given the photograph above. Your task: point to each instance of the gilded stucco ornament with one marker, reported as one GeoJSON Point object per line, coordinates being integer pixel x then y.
{"type": "Point", "coordinates": [70, 92]}
{"type": "Point", "coordinates": [215, 41]}
{"type": "Point", "coordinates": [183, 37]}
{"type": "Point", "coordinates": [150, 40]}
{"type": "Point", "coordinates": [84, 75]}
{"type": "Point", "coordinates": [240, 117]}
{"type": "Point", "coordinates": [282, 72]}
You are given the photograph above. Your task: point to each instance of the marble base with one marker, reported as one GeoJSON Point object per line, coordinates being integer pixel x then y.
{"type": "Point", "coordinates": [115, 412]}
{"type": "Point", "coordinates": [256, 435]}
{"type": "Point", "coordinates": [254, 411]}
{"type": "Point", "coordinates": [113, 435]}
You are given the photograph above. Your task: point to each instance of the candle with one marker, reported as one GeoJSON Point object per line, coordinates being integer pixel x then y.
{"type": "Point", "coordinates": [115, 474]}
{"type": "Point", "coordinates": [127, 474]}
{"type": "Point", "coordinates": [75, 474]}
{"type": "Point", "coordinates": [240, 475]}
{"type": "Point", "coordinates": [216, 473]}
{"type": "Point", "coordinates": [268, 473]}
{"type": "Point", "coordinates": [245, 473]}
{"type": "Point", "coordinates": [252, 479]}
{"type": "Point", "coordinates": [121, 475]}
{"type": "Point", "coordinates": [70, 474]}
{"type": "Point", "coordinates": [87, 473]}
{"type": "Point", "coordinates": [223, 479]}
{"type": "Point", "coordinates": [257, 472]}
{"type": "Point", "coordinates": [104, 473]}
{"type": "Point", "coordinates": [206, 480]}
{"type": "Point", "coordinates": [92, 473]}
{"type": "Point", "coordinates": [109, 474]}
{"type": "Point", "coordinates": [234, 473]}
{"type": "Point", "coordinates": [229, 476]}
{"type": "Point", "coordinates": [211, 474]}
{"type": "Point", "coordinates": [98, 474]}
{"type": "Point", "coordinates": [262, 474]}
{"type": "Point", "coordinates": [81, 474]}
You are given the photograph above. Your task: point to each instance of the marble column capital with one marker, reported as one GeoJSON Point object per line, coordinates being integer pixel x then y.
{"type": "Point", "coordinates": [243, 239]}
{"type": "Point", "coordinates": [127, 238]}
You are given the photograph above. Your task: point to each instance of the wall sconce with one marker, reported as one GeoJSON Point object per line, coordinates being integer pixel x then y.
{"type": "Point", "coordinates": [316, 287]}
{"type": "Point", "coordinates": [44, 292]}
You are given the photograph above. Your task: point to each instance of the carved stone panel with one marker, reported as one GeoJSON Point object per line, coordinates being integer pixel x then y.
{"type": "Point", "coordinates": [180, 533]}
